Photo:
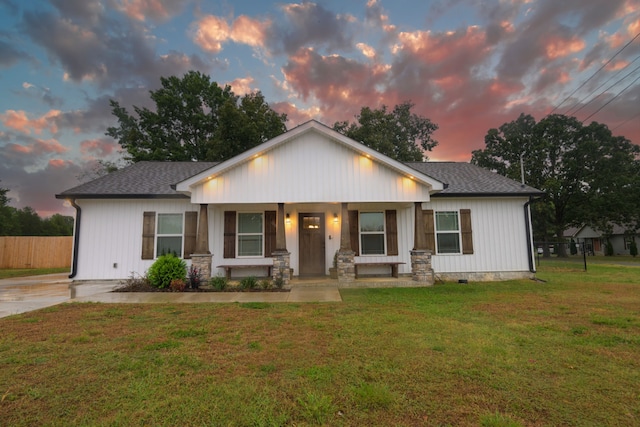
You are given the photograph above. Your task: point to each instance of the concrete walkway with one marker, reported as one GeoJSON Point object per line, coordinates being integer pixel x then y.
{"type": "Point", "coordinates": [20, 295]}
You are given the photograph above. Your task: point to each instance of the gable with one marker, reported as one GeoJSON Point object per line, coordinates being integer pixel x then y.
{"type": "Point", "coordinates": [312, 163]}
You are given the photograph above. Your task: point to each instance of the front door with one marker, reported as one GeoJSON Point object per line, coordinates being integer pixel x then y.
{"type": "Point", "coordinates": [312, 259]}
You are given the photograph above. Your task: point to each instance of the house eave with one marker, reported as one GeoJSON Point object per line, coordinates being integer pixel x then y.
{"type": "Point", "coordinates": [121, 196]}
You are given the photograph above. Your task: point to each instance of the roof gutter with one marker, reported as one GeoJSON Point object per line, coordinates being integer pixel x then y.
{"type": "Point", "coordinates": [76, 239]}
{"type": "Point", "coordinates": [527, 224]}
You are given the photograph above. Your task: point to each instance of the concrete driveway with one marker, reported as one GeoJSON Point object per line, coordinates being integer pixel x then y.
{"type": "Point", "coordinates": [20, 295]}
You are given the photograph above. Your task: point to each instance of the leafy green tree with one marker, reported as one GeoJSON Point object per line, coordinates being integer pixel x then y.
{"type": "Point", "coordinates": [195, 119]}
{"type": "Point", "coordinates": [585, 171]}
{"type": "Point", "coordinates": [399, 133]}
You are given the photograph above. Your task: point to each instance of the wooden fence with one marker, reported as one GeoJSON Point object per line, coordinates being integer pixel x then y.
{"type": "Point", "coordinates": [35, 251]}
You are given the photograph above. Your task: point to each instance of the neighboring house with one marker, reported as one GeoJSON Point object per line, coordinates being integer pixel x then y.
{"type": "Point", "coordinates": [303, 196]}
{"type": "Point", "coordinates": [594, 240]}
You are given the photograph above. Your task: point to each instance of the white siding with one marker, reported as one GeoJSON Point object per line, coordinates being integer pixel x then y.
{"type": "Point", "coordinates": [311, 169]}
{"type": "Point", "coordinates": [111, 233]}
{"type": "Point", "coordinates": [499, 236]}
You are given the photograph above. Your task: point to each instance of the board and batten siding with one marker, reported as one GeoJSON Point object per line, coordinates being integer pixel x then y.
{"type": "Point", "coordinates": [111, 233]}
{"type": "Point", "coordinates": [499, 236]}
{"type": "Point", "coordinates": [310, 170]}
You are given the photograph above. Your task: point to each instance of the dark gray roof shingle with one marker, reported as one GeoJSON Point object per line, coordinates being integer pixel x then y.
{"type": "Point", "coordinates": [143, 179]}
{"type": "Point", "coordinates": [155, 179]}
{"type": "Point", "coordinates": [467, 179]}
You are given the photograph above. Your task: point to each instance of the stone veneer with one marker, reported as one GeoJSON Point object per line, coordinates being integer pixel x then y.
{"type": "Point", "coordinates": [421, 270]}
{"type": "Point", "coordinates": [282, 266]}
{"type": "Point", "coordinates": [203, 263]}
{"type": "Point", "coordinates": [346, 263]}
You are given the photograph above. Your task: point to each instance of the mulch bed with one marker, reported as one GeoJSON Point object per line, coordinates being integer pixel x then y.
{"type": "Point", "coordinates": [140, 286]}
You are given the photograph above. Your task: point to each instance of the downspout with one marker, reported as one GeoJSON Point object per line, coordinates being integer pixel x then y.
{"type": "Point", "coordinates": [76, 239]}
{"type": "Point", "coordinates": [527, 223]}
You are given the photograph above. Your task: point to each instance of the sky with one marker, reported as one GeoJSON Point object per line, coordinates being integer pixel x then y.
{"type": "Point", "coordinates": [467, 65]}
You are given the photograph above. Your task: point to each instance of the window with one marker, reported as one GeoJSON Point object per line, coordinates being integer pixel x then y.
{"type": "Point", "coordinates": [169, 235]}
{"type": "Point", "coordinates": [372, 233]}
{"type": "Point", "coordinates": [250, 226]}
{"type": "Point", "coordinates": [447, 233]}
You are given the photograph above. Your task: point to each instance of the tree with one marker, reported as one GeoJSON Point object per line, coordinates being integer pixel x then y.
{"type": "Point", "coordinates": [195, 119]}
{"type": "Point", "coordinates": [585, 171]}
{"type": "Point", "coordinates": [399, 134]}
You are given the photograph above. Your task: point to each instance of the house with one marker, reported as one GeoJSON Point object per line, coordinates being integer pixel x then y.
{"type": "Point", "coordinates": [594, 240]}
{"type": "Point", "coordinates": [293, 204]}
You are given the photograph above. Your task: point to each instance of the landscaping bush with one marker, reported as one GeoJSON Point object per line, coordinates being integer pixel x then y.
{"type": "Point", "coordinates": [608, 248]}
{"type": "Point", "coordinates": [633, 248]}
{"type": "Point", "coordinates": [177, 285]}
{"type": "Point", "coordinates": [266, 284]}
{"type": "Point", "coordinates": [165, 269]}
{"type": "Point", "coordinates": [195, 277]}
{"type": "Point", "coordinates": [219, 283]}
{"type": "Point", "coordinates": [248, 283]}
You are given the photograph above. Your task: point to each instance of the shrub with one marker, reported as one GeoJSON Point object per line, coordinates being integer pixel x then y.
{"type": "Point", "coordinates": [219, 283]}
{"type": "Point", "coordinates": [165, 269]}
{"type": "Point", "coordinates": [177, 285]}
{"type": "Point", "coordinates": [248, 283]}
{"type": "Point", "coordinates": [195, 277]}
{"type": "Point", "coordinates": [279, 282]}
{"type": "Point", "coordinates": [633, 248]}
{"type": "Point", "coordinates": [266, 284]}
{"type": "Point", "coordinates": [573, 247]}
{"type": "Point", "coordinates": [608, 248]}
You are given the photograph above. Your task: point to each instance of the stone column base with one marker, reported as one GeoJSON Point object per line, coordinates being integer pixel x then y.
{"type": "Point", "coordinates": [281, 266]}
{"type": "Point", "coordinates": [346, 262]}
{"type": "Point", "coordinates": [421, 270]}
{"type": "Point", "coordinates": [203, 263]}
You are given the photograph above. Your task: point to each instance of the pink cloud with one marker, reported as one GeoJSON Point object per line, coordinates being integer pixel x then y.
{"type": "Point", "coordinates": [19, 121]}
{"type": "Point", "coordinates": [159, 10]}
{"type": "Point", "coordinates": [242, 86]}
{"type": "Point", "coordinates": [211, 32]}
{"type": "Point", "coordinates": [39, 147]}
{"type": "Point", "coordinates": [559, 47]}
{"type": "Point", "coordinates": [99, 147]}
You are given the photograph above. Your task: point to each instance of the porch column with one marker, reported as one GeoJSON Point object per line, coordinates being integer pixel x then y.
{"type": "Point", "coordinates": [421, 270]}
{"type": "Point", "coordinates": [202, 258]}
{"type": "Point", "coordinates": [281, 257]}
{"type": "Point", "coordinates": [202, 239]}
{"type": "Point", "coordinates": [346, 262]}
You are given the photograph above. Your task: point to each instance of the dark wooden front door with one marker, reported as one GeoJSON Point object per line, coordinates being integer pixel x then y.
{"type": "Point", "coordinates": [312, 259]}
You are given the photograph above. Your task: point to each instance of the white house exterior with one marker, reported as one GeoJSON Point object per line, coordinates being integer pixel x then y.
{"type": "Point", "coordinates": [305, 196]}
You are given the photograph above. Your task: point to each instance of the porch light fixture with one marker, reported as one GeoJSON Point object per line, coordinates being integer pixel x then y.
{"type": "Point", "coordinates": [335, 218]}
{"type": "Point", "coordinates": [287, 219]}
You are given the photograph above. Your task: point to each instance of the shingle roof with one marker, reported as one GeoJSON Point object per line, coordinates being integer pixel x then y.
{"type": "Point", "coordinates": [155, 179]}
{"type": "Point", "coordinates": [467, 179]}
{"type": "Point", "coordinates": [140, 180]}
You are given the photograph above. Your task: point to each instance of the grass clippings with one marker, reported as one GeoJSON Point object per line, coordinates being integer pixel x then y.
{"type": "Point", "coordinates": [517, 353]}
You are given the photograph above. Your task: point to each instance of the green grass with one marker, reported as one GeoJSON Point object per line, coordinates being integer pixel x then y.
{"type": "Point", "coordinates": [519, 353]}
{"type": "Point", "coordinates": [23, 272]}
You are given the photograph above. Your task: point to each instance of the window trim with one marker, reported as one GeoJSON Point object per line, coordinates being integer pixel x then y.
{"type": "Point", "coordinates": [437, 232]}
{"type": "Point", "coordinates": [159, 235]}
{"type": "Point", "coordinates": [261, 234]}
{"type": "Point", "coordinates": [383, 232]}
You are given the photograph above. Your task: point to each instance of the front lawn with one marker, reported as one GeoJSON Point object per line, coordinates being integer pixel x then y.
{"type": "Point", "coordinates": [561, 352]}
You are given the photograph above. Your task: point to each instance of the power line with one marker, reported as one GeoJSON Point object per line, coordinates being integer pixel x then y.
{"type": "Point", "coordinates": [594, 74]}
{"type": "Point", "coordinates": [605, 91]}
{"type": "Point", "coordinates": [612, 99]}
{"type": "Point", "coordinates": [571, 111]}
{"type": "Point", "coordinates": [626, 121]}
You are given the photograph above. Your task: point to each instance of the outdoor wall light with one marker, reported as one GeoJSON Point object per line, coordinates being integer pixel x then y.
{"type": "Point", "coordinates": [335, 218]}
{"type": "Point", "coordinates": [287, 219]}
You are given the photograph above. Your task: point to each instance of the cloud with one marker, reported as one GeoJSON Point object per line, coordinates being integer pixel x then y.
{"type": "Point", "coordinates": [101, 147]}
{"type": "Point", "coordinates": [306, 24]}
{"type": "Point", "coordinates": [9, 55]}
{"type": "Point", "coordinates": [156, 10]}
{"type": "Point", "coordinates": [242, 86]}
{"type": "Point", "coordinates": [19, 121]}
{"type": "Point", "coordinates": [211, 32]}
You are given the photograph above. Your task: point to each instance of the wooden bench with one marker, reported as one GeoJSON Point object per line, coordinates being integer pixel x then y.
{"type": "Point", "coordinates": [228, 268]}
{"type": "Point", "coordinates": [393, 264]}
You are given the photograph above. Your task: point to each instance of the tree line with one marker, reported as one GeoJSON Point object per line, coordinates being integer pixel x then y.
{"type": "Point", "coordinates": [27, 222]}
